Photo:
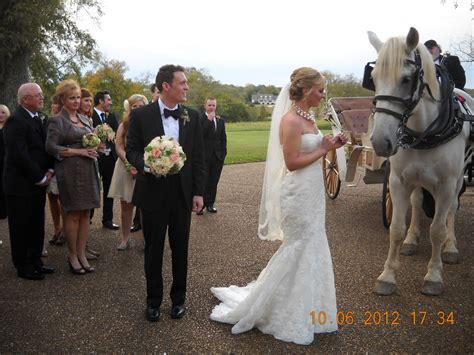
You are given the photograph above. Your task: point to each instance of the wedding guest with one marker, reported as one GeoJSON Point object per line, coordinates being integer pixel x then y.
{"type": "Point", "coordinates": [28, 169]}
{"type": "Point", "coordinates": [215, 150]}
{"type": "Point", "coordinates": [101, 114]}
{"type": "Point", "coordinates": [53, 192]}
{"type": "Point", "coordinates": [123, 179]}
{"type": "Point", "coordinates": [299, 278]}
{"type": "Point", "coordinates": [85, 109]}
{"type": "Point", "coordinates": [4, 114]}
{"type": "Point", "coordinates": [155, 92]}
{"type": "Point", "coordinates": [76, 173]}
{"type": "Point", "coordinates": [166, 202]}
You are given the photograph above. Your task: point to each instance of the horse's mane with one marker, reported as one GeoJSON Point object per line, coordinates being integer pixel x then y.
{"type": "Point", "coordinates": [391, 61]}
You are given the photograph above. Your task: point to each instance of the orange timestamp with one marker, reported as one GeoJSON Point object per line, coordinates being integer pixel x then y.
{"type": "Point", "coordinates": [389, 318]}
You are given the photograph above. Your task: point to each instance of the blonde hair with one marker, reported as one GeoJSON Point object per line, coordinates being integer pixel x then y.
{"type": "Point", "coordinates": [65, 87]}
{"type": "Point", "coordinates": [304, 78]}
{"type": "Point", "coordinates": [127, 105]}
{"type": "Point", "coordinates": [5, 108]}
{"type": "Point", "coordinates": [392, 58]}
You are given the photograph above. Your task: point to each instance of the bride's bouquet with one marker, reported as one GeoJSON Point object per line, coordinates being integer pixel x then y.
{"type": "Point", "coordinates": [104, 132]}
{"type": "Point", "coordinates": [164, 156]}
{"type": "Point", "coordinates": [90, 140]}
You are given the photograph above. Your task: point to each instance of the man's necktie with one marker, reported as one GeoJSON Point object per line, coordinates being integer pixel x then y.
{"type": "Point", "coordinates": [102, 117]}
{"type": "Point", "coordinates": [39, 123]}
{"type": "Point", "coordinates": [173, 113]}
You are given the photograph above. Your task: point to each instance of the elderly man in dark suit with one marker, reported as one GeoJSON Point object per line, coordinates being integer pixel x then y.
{"type": "Point", "coordinates": [450, 62]}
{"type": "Point", "coordinates": [166, 202]}
{"type": "Point", "coordinates": [215, 150]}
{"type": "Point", "coordinates": [101, 114]}
{"type": "Point", "coordinates": [28, 170]}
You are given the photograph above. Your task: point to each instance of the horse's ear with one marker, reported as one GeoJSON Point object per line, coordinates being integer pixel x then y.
{"type": "Point", "coordinates": [412, 39]}
{"type": "Point", "coordinates": [374, 40]}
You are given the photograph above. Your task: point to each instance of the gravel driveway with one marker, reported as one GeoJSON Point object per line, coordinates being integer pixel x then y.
{"type": "Point", "coordinates": [104, 312]}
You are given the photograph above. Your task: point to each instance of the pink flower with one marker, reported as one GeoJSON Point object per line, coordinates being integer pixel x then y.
{"type": "Point", "coordinates": [174, 157]}
{"type": "Point", "coordinates": [156, 153]}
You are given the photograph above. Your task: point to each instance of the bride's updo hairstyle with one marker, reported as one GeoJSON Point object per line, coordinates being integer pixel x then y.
{"type": "Point", "coordinates": [304, 78]}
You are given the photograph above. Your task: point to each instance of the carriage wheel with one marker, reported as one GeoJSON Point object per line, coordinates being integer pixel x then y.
{"type": "Point", "coordinates": [387, 207]}
{"type": "Point", "coordinates": [332, 183]}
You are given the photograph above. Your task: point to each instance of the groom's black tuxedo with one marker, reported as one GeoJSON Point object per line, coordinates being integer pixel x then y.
{"type": "Point", "coordinates": [26, 163]}
{"type": "Point", "coordinates": [165, 202]}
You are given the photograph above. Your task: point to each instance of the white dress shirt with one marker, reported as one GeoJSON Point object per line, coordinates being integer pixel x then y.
{"type": "Point", "coordinates": [170, 125]}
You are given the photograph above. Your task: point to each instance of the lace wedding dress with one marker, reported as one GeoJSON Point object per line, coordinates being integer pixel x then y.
{"type": "Point", "coordinates": [294, 296]}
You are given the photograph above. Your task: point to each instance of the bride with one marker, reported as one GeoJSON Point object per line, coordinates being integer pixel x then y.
{"type": "Point", "coordinates": [294, 296]}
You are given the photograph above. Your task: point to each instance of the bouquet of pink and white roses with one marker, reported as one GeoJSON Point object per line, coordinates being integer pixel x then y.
{"type": "Point", "coordinates": [163, 155]}
{"type": "Point", "coordinates": [104, 132]}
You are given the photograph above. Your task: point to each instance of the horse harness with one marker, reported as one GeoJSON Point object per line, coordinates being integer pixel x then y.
{"type": "Point", "coordinates": [447, 125]}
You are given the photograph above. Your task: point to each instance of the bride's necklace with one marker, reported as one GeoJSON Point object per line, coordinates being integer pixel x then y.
{"type": "Point", "coordinates": [307, 115]}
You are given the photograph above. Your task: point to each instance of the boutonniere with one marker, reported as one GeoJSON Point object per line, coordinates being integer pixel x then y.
{"type": "Point", "coordinates": [184, 116]}
{"type": "Point", "coordinates": [218, 117]}
{"type": "Point", "coordinates": [42, 117]}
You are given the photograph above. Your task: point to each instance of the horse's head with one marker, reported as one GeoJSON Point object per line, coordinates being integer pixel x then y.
{"type": "Point", "coordinates": [402, 70]}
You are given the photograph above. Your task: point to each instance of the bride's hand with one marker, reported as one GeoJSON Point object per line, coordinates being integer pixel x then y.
{"type": "Point", "coordinates": [339, 140]}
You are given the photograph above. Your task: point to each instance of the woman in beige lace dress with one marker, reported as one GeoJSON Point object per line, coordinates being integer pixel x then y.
{"type": "Point", "coordinates": [123, 179]}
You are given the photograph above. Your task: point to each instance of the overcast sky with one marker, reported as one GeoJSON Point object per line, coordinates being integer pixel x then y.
{"type": "Point", "coordinates": [262, 41]}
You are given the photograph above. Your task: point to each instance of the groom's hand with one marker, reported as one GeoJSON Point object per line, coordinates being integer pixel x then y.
{"type": "Point", "coordinates": [198, 203]}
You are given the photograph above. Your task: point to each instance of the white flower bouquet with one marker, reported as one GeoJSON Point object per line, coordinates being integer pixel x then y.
{"type": "Point", "coordinates": [104, 132]}
{"type": "Point", "coordinates": [90, 140]}
{"type": "Point", "coordinates": [164, 156]}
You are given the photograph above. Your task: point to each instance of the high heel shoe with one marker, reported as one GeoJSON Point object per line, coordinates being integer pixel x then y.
{"type": "Point", "coordinates": [88, 269]}
{"type": "Point", "coordinates": [78, 271]}
{"type": "Point", "coordinates": [122, 247]}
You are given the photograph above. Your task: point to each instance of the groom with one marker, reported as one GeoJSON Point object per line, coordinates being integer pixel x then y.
{"type": "Point", "coordinates": [166, 202]}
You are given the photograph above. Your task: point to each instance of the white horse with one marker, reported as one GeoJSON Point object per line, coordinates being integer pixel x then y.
{"type": "Point", "coordinates": [409, 99]}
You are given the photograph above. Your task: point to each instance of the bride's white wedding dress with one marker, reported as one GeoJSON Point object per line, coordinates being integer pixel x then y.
{"type": "Point", "coordinates": [295, 293]}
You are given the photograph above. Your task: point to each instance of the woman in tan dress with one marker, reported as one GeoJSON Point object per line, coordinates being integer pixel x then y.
{"type": "Point", "coordinates": [123, 179]}
{"type": "Point", "coordinates": [76, 173]}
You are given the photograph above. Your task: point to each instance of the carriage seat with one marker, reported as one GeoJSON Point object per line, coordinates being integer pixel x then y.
{"type": "Point", "coordinates": [341, 104]}
{"type": "Point", "coordinates": [356, 121]}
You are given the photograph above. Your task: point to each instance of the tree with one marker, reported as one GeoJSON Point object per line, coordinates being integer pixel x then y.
{"type": "Point", "coordinates": [110, 76]}
{"type": "Point", "coordinates": [41, 41]}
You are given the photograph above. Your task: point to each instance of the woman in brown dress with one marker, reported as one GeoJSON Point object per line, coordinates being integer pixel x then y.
{"type": "Point", "coordinates": [76, 173]}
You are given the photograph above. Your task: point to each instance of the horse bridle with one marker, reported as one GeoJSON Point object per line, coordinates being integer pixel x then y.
{"type": "Point", "coordinates": [416, 93]}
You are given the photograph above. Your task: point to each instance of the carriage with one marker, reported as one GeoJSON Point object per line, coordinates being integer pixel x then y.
{"type": "Point", "coordinates": [357, 160]}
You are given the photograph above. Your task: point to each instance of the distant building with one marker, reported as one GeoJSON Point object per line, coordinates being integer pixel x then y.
{"type": "Point", "coordinates": [264, 99]}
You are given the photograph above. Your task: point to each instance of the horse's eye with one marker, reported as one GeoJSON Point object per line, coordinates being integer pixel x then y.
{"type": "Point", "coordinates": [406, 80]}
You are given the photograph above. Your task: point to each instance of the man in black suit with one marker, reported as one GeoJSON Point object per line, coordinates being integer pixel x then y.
{"type": "Point", "coordinates": [450, 62]}
{"type": "Point", "coordinates": [166, 202]}
{"type": "Point", "coordinates": [101, 114]}
{"type": "Point", "coordinates": [215, 150]}
{"type": "Point", "coordinates": [28, 170]}
{"type": "Point", "coordinates": [137, 225]}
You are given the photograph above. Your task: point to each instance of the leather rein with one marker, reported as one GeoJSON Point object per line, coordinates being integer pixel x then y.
{"type": "Point", "coordinates": [444, 127]}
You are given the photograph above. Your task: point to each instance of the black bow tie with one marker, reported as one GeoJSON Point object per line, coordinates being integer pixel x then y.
{"type": "Point", "coordinates": [173, 113]}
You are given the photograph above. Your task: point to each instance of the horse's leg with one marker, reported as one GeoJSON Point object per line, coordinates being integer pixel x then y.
{"type": "Point", "coordinates": [386, 283]}
{"type": "Point", "coordinates": [433, 280]}
{"type": "Point", "coordinates": [410, 244]}
{"type": "Point", "coordinates": [450, 253]}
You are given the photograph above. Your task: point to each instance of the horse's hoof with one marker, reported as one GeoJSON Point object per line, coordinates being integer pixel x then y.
{"type": "Point", "coordinates": [408, 249]}
{"type": "Point", "coordinates": [432, 288]}
{"type": "Point", "coordinates": [450, 258]}
{"type": "Point", "coordinates": [384, 288]}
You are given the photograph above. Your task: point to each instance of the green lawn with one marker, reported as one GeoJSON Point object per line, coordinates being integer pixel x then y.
{"type": "Point", "coordinates": [247, 141]}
